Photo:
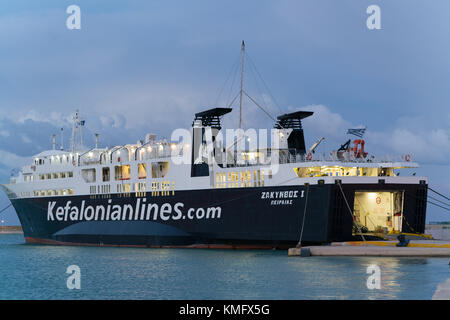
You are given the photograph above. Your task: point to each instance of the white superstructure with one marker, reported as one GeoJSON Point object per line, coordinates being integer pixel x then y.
{"type": "Point", "coordinates": [159, 167]}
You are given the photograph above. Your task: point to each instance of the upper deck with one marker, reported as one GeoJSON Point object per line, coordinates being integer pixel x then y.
{"type": "Point", "coordinates": [200, 162]}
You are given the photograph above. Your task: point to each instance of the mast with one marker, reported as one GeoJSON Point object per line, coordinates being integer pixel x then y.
{"type": "Point", "coordinates": [62, 139]}
{"type": "Point", "coordinates": [54, 142]}
{"type": "Point", "coordinates": [76, 142]}
{"type": "Point", "coordinates": [242, 83]}
{"type": "Point", "coordinates": [96, 140]}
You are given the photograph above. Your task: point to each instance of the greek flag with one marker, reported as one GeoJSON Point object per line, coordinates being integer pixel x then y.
{"type": "Point", "coordinates": [357, 132]}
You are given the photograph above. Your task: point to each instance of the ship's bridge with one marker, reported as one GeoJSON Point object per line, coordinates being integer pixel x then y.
{"type": "Point", "coordinates": [352, 169]}
{"type": "Point", "coordinates": [53, 157]}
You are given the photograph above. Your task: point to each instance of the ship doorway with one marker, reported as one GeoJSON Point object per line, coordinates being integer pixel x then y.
{"type": "Point", "coordinates": [379, 211]}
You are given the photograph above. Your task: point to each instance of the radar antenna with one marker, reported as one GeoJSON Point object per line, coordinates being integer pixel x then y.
{"type": "Point", "coordinates": [76, 142]}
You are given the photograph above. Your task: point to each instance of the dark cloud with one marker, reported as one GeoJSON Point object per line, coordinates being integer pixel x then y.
{"type": "Point", "coordinates": [147, 66]}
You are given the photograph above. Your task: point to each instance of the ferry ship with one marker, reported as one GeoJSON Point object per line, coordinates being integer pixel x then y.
{"type": "Point", "coordinates": [147, 194]}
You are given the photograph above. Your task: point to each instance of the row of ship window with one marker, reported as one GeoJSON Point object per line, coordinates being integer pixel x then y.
{"type": "Point", "coordinates": [123, 172]}
{"type": "Point", "coordinates": [54, 175]}
{"type": "Point", "coordinates": [223, 179]}
{"type": "Point", "coordinates": [63, 159]}
{"type": "Point", "coordinates": [157, 188]}
{"type": "Point", "coordinates": [233, 179]}
{"type": "Point", "coordinates": [163, 188]}
{"type": "Point", "coordinates": [53, 192]}
{"type": "Point", "coordinates": [48, 176]}
{"type": "Point", "coordinates": [236, 179]}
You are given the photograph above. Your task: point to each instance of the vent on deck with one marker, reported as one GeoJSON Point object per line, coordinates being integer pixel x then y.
{"type": "Point", "coordinates": [211, 117]}
{"type": "Point", "coordinates": [292, 120]}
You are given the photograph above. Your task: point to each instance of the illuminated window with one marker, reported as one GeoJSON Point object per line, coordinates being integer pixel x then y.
{"type": "Point", "coordinates": [122, 172]}
{"type": "Point", "coordinates": [224, 180]}
{"type": "Point", "coordinates": [142, 171]}
{"type": "Point", "coordinates": [160, 169]}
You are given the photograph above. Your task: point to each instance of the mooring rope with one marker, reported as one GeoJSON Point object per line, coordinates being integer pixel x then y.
{"type": "Point", "coordinates": [299, 244]}
{"type": "Point", "coordinates": [6, 207]}
{"type": "Point", "coordinates": [442, 202]}
{"type": "Point", "coordinates": [439, 193]}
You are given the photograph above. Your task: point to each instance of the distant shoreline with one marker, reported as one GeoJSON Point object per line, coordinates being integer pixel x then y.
{"type": "Point", "coordinates": [10, 229]}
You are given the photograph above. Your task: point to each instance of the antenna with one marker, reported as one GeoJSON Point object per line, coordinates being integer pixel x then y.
{"type": "Point", "coordinates": [96, 140]}
{"type": "Point", "coordinates": [242, 83]}
{"type": "Point", "coordinates": [76, 142]}
{"type": "Point", "coordinates": [53, 141]}
{"type": "Point", "coordinates": [62, 139]}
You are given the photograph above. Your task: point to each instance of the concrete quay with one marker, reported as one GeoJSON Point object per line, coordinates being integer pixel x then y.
{"type": "Point", "coordinates": [418, 248]}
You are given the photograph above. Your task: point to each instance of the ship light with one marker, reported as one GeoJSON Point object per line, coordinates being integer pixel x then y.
{"type": "Point", "coordinates": [172, 146]}
{"type": "Point", "coordinates": [149, 149]}
{"type": "Point", "coordinates": [90, 154]}
{"type": "Point", "coordinates": [372, 195]}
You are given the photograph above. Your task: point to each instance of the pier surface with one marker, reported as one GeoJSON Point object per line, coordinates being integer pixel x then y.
{"type": "Point", "coordinates": [417, 248]}
{"type": "Point", "coordinates": [412, 243]}
{"type": "Point", "coordinates": [10, 229]}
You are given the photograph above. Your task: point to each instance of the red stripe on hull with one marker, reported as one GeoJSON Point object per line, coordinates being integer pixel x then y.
{"type": "Point", "coordinates": [32, 240]}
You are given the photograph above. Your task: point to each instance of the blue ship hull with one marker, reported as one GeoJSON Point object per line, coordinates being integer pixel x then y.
{"type": "Point", "coordinates": [265, 217]}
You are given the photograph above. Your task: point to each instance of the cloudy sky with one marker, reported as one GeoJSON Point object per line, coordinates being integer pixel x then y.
{"type": "Point", "coordinates": [148, 66]}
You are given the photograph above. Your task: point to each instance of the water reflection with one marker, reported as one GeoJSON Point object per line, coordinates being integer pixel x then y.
{"type": "Point", "coordinates": [38, 272]}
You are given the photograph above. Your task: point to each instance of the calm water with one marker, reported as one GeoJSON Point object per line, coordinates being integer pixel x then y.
{"type": "Point", "coordinates": [38, 272]}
